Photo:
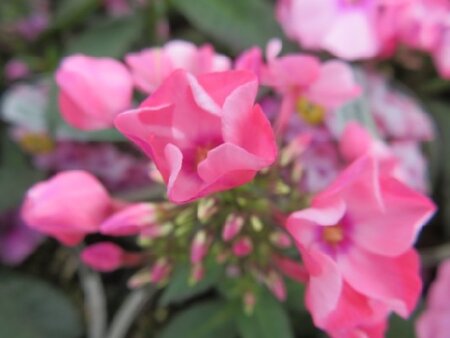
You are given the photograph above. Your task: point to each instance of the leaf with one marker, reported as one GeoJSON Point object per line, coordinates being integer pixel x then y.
{"type": "Point", "coordinates": [238, 24]}
{"type": "Point", "coordinates": [268, 320]}
{"type": "Point", "coordinates": [179, 289]}
{"type": "Point", "coordinates": [69, 12]}
{"type": "Point", "coordinates": [111, 37]}
{"type": "Point", "coordinates": [212, 319]}
{"type": "Point", "coordinates": [16, 175]}
{"type": "Point", "coordinates": [295, 295]}
{"type": "Point", "coordinates": [30, 308]}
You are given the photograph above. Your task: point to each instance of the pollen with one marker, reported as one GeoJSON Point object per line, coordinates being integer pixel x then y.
{"type": "Point", "coordinates": [200, 154]}
{"type": "Point", "coordinates": [310, 112]}
{"type": "Point", "coordinates": [333, 234]}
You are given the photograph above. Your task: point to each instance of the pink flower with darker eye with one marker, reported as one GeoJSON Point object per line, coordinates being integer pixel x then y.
{"type": "Point", "coordinates": [356, 243]}
{"type": "Point", "coordinates": [151, 66]}
{"type": "Point", "coordinates": [196, 130]}
{"type": "Point", "coordinates": [68, 206]}
{"type": "Point", "coordinates": [92, 91]}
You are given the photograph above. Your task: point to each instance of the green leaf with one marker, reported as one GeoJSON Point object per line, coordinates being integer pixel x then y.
{"type": "Point", "coordinates": [268, 320]}
{"type": "Point", "coordinates": [212, 319]}
{"type": "Point", "coordinates": [295, 295]}
{"type": "Point", "coordinates": [16, 175]}
{"type": "Point", "coordinates": [179, 289]}
{"type": "Point", "coordinates": [30, 308]}
{"type": "Point", "coordinates": [69, 12]}
{"type": "Point", "coordinates": [237, 24]}
{"type": "Point", "coordinates": [111, 37]}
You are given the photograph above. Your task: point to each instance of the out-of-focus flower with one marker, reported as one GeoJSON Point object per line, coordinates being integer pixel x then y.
{"type": "Point", "coordinates": [117, 7]}
{"type": "Point", "coordinates": [68, 206]}
{"type": "Point", "coordinates": [199, 247]}
{"type": "Point", "coordinates": [356, 242]}
{"type": "Point", "coordinates": [196, 131]}
{"type": "Point", "coordinates": [233, 225]}
{"type": "Point", "coordinates": [93, 91]}
{"type": "Point", "coordinates": [17, 241]}
{"type": "Point", "coordinates": [150, 67]}
{"type": "Point", "coordinates": [107, 257]}
{"type": "Point", "coordinates": [242, 247]}
{"type": "Point", "coordinates": [433, 322]}
{"type": "Point", "coordinates": [16, 69]}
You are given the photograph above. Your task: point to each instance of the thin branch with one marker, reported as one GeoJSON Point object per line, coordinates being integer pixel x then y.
{"type": "Point", "coordinates": [95, 302]}
{"type": "Point", "coordinates": [128, 311]}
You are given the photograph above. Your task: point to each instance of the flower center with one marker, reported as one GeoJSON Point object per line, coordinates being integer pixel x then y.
{"type": "Point", "coordinates": [201, 153]}
{"type": "Point", "coordinates": [36, 143]}
{"type": "Point", "coordinates": [333, 234]}
{"type": "Point", "coordinates": [310, 112]}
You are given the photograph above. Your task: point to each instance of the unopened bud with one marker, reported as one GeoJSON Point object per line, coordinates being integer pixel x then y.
{"type": "Point", "coordinates": [207, 207]}
{"type": "Point", "coordinates": [232, 226]}
{"type": "Point", "coordinates": [281, 240]}
{"type": "Point", "coordinates": [249, 301]}
{"type": "Point", "coordinates": [276, 285]}
{"type": "Point", "coordinates": [242, 247]}
{"type": "Point", "coordinates": [256, 223]}
{"type": "Point", "coordinates": [199, 247]}
{"type": "Point", "coordinates": [197, 273]}
{"type": "Point", "coordinates": [160, 270]}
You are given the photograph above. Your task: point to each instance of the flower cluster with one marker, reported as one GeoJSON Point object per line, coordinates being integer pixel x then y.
{"type": "Point", "coordinates": [293, 186]}
{"type": "Point", "coordinates": [364, 29]}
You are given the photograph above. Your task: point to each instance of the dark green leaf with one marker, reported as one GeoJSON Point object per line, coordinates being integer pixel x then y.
{"type": "Point", "coordinates": [211, 319]}
{"type": "Point", "coordinates": [295, 295]}
{"type": "Point", "coordinates": [111, 37]}
{"type": "Point", "coordinates": [268, 320]}
{"type": "Point", "coordinates": [238, 24]}
{"type": "Point", "coordinates": [16, 175]}
{"type": "Point", "coordinates": [30, 308]}
{"type": "Point", "coordinates": [179, 289]}
{"type": "Point", "coordinates": [69, 12]}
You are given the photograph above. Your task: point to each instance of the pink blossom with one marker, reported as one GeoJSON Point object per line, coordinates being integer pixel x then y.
{"type": "Point", "coordinates": [107, 257]}
{"type": "Point", "coordinates": [302, 77]}
{"type": "Point", "coordinates": [92, 91]}
{"type": "Point", "coordinates": [433, 322]}
{"type": "Point", "coordinates": [242, 247]}
{"type": "Point", "coordinates": [356, 242]}
{"type": "Point", "coordinates": [16, 69]}
{"type": "Point", "coordinates": [150, 67]}
{"type": "Point", "coordinates": [67, 206]}
{"type": "Point", "coordinates": [348, 29]}
{"type": "Point", "coordinates": [196, 132]}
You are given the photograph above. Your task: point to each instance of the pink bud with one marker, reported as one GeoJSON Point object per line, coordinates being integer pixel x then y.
{"type": "Point", "coordinates": [160, 270]}
{"type": "Point", "coordinates": [291, 268]}
{"type": "Point", "coordinates": [16, 69]}
{"type": "Point", "coordinates": [281, 240]}
{"type": "Point", "coordinates": [105, 256]}
{"type": "Point", "coordinates": [199, 247]}
{"type": "Point", "coordinates": [197, 273]}
{"type": "Point", "coordinates": [242, 247]}
{"type": "Point", "coordinates": [276, 285]}
{"type": "Point", "coordinates": [130, 220]}
{"type": "Point", "coordinates": [249, 302]}
{"type": "Point", "coordinates": [232, 227]}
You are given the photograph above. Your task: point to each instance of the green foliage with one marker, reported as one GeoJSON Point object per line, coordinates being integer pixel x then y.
{"type": "Point", "coordinates": [269, 319]}
{"type": "Point", "coordinates": [179, 289]}
{"type": "Point", "coordinates": [30, 308]}
{"type": "Point", "coordinates": [211, 319]}
{"type": "Point", "coordinates": [16, 174]}
{"type": "Point", "coordinates": [237, 24]}
{"type": "Point", "coordinates": [69, 12]}
{"type": "Point", "coordinates": [111, 37]}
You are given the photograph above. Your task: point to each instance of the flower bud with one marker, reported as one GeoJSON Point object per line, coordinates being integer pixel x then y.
{"type": "Point", "coordinates": [199, 247]}
{"type": "Point", "coordinates": [242, 247]}
{"type": "Point", "coordinates": [232, 226]}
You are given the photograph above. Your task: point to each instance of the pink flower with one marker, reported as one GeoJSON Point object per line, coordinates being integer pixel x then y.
{"type": "Point", "coordinates": [107, 257]}
{"type": "Point", "coordinates": [356, 243]}
{"type": "Point", "coordinates": [93, 91]}
{"type": "Point", "coordinates": [302, 79]}
{"type": "Point", "coordinates": [196, 132]}
{"type": "Point", "coordinates": [68, 206]}
{"type": "Point", "coordinates": [16, 69]}
{"type": "Point", "coordinates": [346, 28]}
{"type": "Point", "coordinates": [150, 67]}
{"type": "Point", "coordinates": [433, 322]}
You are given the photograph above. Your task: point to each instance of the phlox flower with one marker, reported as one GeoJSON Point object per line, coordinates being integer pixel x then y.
{"type": "Point", "coordinates": [356, 243]}
{"type": "Point", "coordinates": [196, 130]}
{"type": "Point", "coordinates": [92, 91]}
{"type": "Point", "coordinates": [107, 257]}
{"type": "Point", "coordinates": [151, 66]}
